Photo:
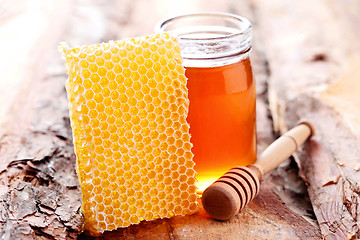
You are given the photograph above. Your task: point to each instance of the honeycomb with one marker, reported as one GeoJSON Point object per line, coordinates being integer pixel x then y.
{"type": "Point", "coordinates": [128, 105]}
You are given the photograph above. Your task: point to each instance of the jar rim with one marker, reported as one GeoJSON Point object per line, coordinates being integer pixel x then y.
{"type": "Point", "coordinates": [209, 39]}
{"type": "Point", "coordinates": [160, 27]}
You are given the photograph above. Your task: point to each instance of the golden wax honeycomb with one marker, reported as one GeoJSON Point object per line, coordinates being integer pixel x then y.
{"type": "Point", "coordinates": [128, 105]}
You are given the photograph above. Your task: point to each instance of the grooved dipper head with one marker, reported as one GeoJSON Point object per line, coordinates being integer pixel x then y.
{"type": "Point", "coordinates": [221, 201]}
{"type": "Point", "coordinates": [230, 193]}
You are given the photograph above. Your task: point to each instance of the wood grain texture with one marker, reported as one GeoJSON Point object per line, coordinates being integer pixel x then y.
{"type": "Point", "coordinates": [39, 192]}
{"type": "Point", "coordinates": [39, 188]}
{"type": "Point", "coordinates": [312, 48]}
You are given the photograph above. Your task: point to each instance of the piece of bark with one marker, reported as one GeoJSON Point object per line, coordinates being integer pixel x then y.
{"type": "Point", "coordinates": [285, 180]}
{"type": "Point", "coordinates": [40, 195]}
{"type": "Point", "coordinates": [310, 47]}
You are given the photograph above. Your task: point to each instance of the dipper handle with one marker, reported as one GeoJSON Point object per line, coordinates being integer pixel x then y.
{"type": "Point", "coordinates": [284, 147]}
{"type": "Point", "coordinates": [238, 186]}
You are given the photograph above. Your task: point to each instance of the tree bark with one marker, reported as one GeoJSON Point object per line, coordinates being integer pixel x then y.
{"type": "Point", "coordinates": [313, 50]}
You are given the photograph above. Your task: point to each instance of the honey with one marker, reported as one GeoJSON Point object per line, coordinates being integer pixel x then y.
{"type": "Point", "coordinates": [215, 48]}
{"type": "Point", "coordinates": [221, 118]}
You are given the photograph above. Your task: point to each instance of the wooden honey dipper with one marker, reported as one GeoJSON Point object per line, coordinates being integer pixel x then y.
{"type": "Point", "coordinates": [238, 186]}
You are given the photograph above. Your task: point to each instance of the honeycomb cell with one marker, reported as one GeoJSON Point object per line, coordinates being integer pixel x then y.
{"type": "Point", "coordinates": [113, 85]}
{"type": "Point", "coordinates": [116, 205]}
{"type": "Point", "coordinates": [107, 201]}
{"type": "Point", "coordinates": [175, 175]}
{"type": "Point", "coordinates": [155, 201]}
{"type": "Point", "coordinates": [109, 65]}
{"type": "Point", "coordinates": [100, 62]}
{"type": "Point", "coordinates": [106, 93]}
{"type": "Point", "coordinates": [102, 225]}
{"type": "Point", "coordinates": [185, 204]}
{"type": "Point", "coordinates": [95, 78]}
{"type": "Point", "coordinates": [130, 192]}
{"type": "Point", "coordinates": [103, 175]}
{"type": "Point", "coordinates": [161, 196]}
{"type": "Point", "coordinates": [111, 226]}
{"type": "Point", "coordinates": [119, 221]}
{"type": "Point", "coordinates": [128, 106]}
{"type": "Point", "coordinates": [126, 215]}
{"type": "Point", "coordinates": [133, 67]}
{"type": "Point", "coordinates": [100, 208]}
{"type": "Point", "coordinates": [115, 58]}
{"type": "Point", "coordinates": [108, 210]}
{"type": "Point", "coordinates": [140, 60]}
{"type": "Point", "coordinates": [134, 219]}
{"type": "Point", "coordinates": [100, 217]}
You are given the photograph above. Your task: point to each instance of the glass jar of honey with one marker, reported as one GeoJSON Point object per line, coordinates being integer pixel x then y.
{"type": "Point", "coordinates": [215, 48]}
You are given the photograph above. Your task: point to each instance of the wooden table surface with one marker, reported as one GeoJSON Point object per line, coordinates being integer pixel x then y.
{"type": "Point", "coordinates": [306, 61]}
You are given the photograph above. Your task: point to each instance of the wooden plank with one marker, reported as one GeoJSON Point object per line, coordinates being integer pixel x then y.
{"type": "Point", "coordinates": [40, 190]}
{"type": "Point", "coordinates": [40, 194]}
{"type": "Point", "coordinates": [312, 48]}
{"type": "Point", "coordinates": [23, 27]}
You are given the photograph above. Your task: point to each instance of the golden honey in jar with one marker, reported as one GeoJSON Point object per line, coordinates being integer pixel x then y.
{"type": "Point", "coordinates": [215, 48]}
